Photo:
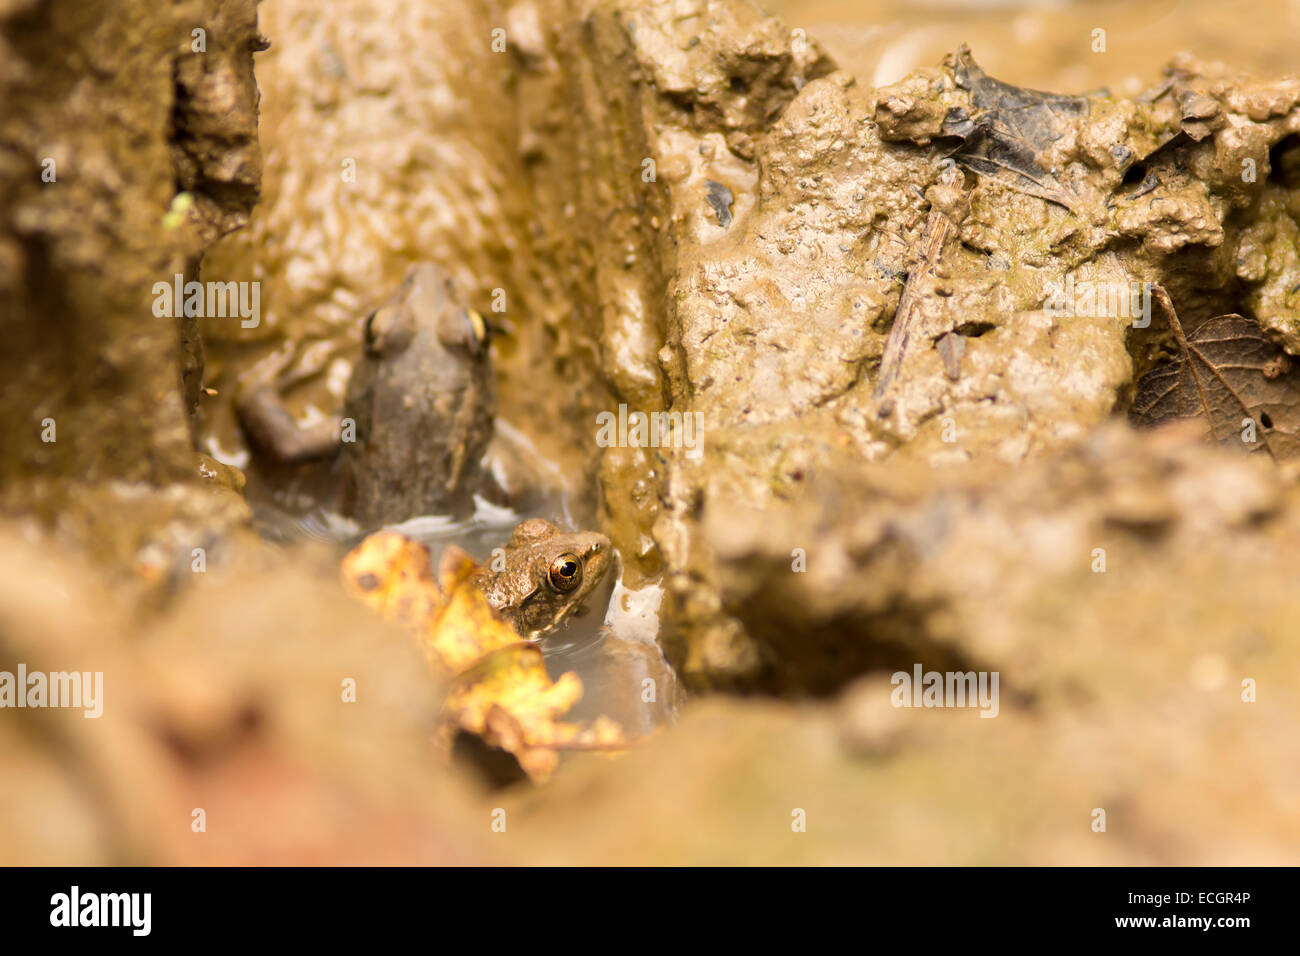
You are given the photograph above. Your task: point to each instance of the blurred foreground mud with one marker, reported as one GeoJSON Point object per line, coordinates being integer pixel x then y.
{"type": "Point", "coordinates": [226, 736]}
{"type": "Point", "coordinates": [685, 208]}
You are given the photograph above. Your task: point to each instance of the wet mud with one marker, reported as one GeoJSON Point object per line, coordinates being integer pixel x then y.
{"type": "Point", "coordinates": [838, 326]}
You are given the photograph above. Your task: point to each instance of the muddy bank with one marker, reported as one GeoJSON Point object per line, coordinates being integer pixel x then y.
{"type": "Point", "coordinates": [779, 297]}
{"type": "Point", "coordinates": [693, 210]}
{"type": "Point", "coordinates": [984, 568]}
{"type": "Point", "coordinates": [931, 788]}
{"type": "Point", "coordinates": [266, 718]}
{"type": "Point", "coordinates": [385, 148]}
{"type": "Point", "coordinates": [130, 144]}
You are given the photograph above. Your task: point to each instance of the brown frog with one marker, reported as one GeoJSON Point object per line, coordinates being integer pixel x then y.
{"type": "Point", "coordinates": [544, 575]}
{"type": "Point", "coordinates": [423, 398]}
{"type": "Point", "coordinates": [417, 415]}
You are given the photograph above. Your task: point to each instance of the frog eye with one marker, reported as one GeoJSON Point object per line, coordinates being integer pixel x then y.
{"type": "Point", "coordinates": [565, 573]}
{"type": "Point", "coordinates": [478, 324]}
{"type": "Point", "coordinates": [465, 329]}
{"type": "Point", "coordinates": [387, 331]}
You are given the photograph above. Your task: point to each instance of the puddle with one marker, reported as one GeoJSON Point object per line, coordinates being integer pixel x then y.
{"type": "Point", "coordinates": [621, 665]}
{"type": "Point", "coordinates": [611, 645]}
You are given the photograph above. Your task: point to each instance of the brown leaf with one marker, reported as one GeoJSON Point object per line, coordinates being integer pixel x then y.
{"type": "Point", "coordinates": [1229, 374]}
{"type": "Point", "coordinates": [1009, 127]}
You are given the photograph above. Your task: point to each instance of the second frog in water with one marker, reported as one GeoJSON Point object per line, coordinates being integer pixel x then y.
{"type": "Point", "coordinates": [544, 575]}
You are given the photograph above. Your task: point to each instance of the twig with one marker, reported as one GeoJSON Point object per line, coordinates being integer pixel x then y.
{"type": "Point", "coordinates": [933, 237]}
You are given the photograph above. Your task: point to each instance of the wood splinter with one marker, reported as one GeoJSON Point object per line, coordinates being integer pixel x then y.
{"type": "Point", "coordinates": [933, 238]}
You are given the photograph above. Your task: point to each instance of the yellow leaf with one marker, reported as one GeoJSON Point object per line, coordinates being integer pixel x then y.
{"type": "Point", "coordinates": [500, 689]}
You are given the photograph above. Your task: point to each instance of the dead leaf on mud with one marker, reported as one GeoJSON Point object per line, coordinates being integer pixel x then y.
{"type": "Point", "coordinates": [500, 690]}
{"type": "Point", "coordinates": [1010, 126]}
{"type": "Point", "coordinates": [508, 700]}
{"type": "Point", "coordinates": [1233, 377]}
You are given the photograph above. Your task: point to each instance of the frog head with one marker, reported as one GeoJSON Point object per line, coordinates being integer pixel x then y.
{"type": "Point", "coordinates": [544, 575]}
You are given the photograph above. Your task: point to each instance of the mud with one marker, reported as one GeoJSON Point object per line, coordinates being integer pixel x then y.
{"type": "Point", "coordinates": [224, 707]}
{"type": "Point", "coordinates": [837, 248]}
{"type": "Point", "coordinates": [95, 423]}
{"type": "Point", "coordinates": [775, 324]}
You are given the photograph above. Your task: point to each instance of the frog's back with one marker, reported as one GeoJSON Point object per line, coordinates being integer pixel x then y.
{"type": "Point", "coordinates": [422, 400]}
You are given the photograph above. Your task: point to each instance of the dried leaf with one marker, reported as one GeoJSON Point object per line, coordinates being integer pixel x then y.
{"type": "Point", "coordinates": [1233, 377]}
{"type": "Point", "coordinates": [1008, 129]}
{"type": "Point", "coordinates": [500, 689]}
{"type": "Point", "coordinates": [390, 574]}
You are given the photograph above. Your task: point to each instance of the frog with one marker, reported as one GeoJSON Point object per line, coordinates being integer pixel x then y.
{"type": "Point", "coordinates": [266, 420]}
{"type": "Point", "coordinates": [423, 400]}
{"type": "Point", "coordinates": [417, 414]}
{"type": "Point", "coordinates": [544, 575]}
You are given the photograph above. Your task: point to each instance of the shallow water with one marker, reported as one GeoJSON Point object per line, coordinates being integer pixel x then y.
{"type": "Point", "coordinates": [611, 645]}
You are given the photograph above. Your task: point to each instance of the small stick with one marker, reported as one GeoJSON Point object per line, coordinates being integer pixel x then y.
{"type": "Point", "coordinates": [1174, 323]}
{"type": "Point", "coordinates": [933, 237]}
